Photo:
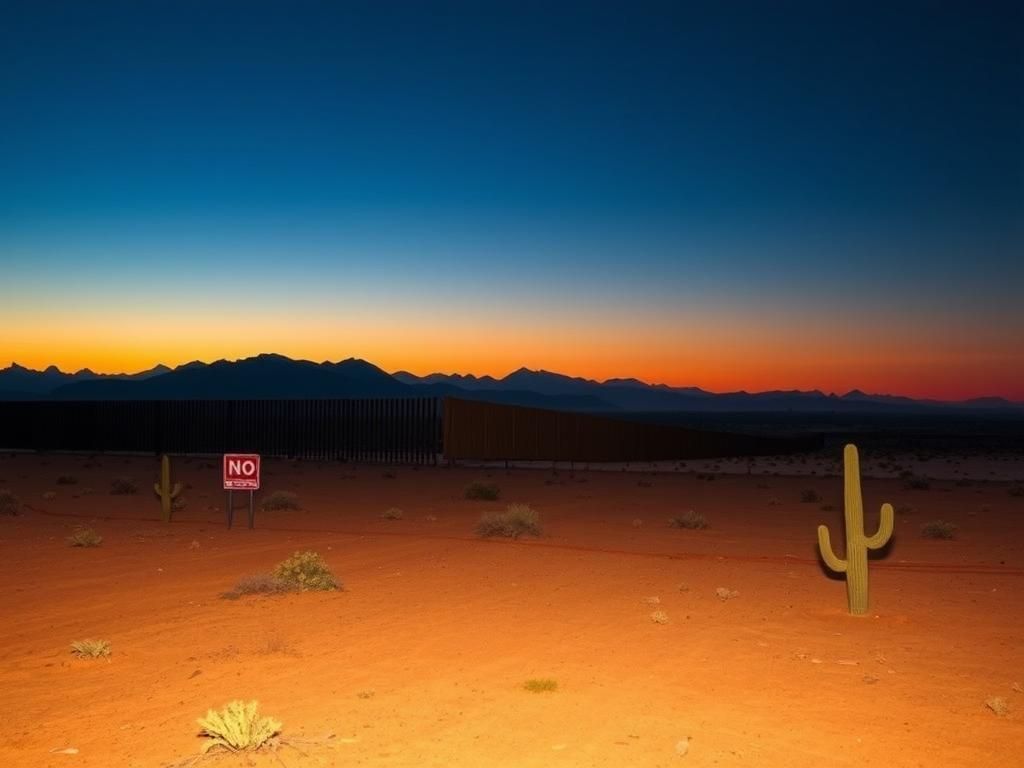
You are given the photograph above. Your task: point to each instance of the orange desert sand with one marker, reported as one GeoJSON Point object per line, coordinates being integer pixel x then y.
{"type": "Point", "coordinates": [421, 659]}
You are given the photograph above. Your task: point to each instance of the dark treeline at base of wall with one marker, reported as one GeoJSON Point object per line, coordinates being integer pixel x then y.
{"type": "Point", "coordinates": [491, 432]}
{"type": "Point", "coordinates": [401, 431]}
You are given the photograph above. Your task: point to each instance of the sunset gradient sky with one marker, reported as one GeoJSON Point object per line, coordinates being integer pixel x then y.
{"type": "Point", "coordinates": [762, 196]}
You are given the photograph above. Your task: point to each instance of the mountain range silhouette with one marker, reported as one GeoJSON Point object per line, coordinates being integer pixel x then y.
{"type": "Point", "coordinates": [272, 376]}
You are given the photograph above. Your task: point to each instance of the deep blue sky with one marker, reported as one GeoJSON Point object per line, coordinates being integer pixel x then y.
{"type": "Point", "coordinates": [737, 158]}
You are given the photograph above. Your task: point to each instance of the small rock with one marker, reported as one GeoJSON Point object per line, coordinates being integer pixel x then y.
{"type": "Point", "coordinates": [682, 747]}
{"type": "Point", "coordinates": [726, 594]}
{"type": "Point", "coordinates": [1016, 687]}
{"type": "Point", "coordinates": [65, 751]}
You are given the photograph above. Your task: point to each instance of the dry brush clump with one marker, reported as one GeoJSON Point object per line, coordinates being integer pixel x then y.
{"type": "Point", "coordinates": [809, 496]}
{"type": "Point", "coordinates": [541, 685]}
{"type": "Point", "coordinates": [938, 529]}
{"type": "Point", "coordinates": [84, 537]}
{"type": "Point", "coordinates": [9, 503]}
{"type": "Point", "coordinates": [482, 491]}
{"type": "Point", "coordinates": [280, 501]}
{"type": "Point", "coordinates": [1016, 490]}
{"type": "Point", "coordinates": [916, 483]}
{"type": "Point", "coordinates": [302, 572]}
{"type": "Point", "coordinates": [238, 727]}
{"type": "Point", "coordinates": [393, 513]}
{"type": "Point", "coordinates": [690, 520]}
{"type": "Point", "coordinates": [516, 521]}
{"type": "Point", "coordinates": [259, 584]}
{"type": "Point", "coordinates": [91, 649]}
{"type": "Point", "coordinates": [123, 486]}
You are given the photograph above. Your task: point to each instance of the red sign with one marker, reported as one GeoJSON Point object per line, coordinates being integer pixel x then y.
{"type": "Point", "coordinates": [241, 471]}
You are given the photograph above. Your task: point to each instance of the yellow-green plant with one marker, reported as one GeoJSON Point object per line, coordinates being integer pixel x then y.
{"type": "Point", "coordinates": [164, 490]}
{"type": "Point", "coordinates": [238, 727]}
{"type": "Point", "coordinates": [855, 566]}
{"type": "Point", "coordinates": [305, 571]}
{"type": "Point", "coordinates": [91, 649]}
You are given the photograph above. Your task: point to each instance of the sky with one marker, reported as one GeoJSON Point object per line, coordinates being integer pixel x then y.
{"type": "Point", "coordinates": [739, 195]}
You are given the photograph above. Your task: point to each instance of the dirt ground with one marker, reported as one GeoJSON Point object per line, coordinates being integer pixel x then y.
{"type": "Point", "coordinates": [421, 659]}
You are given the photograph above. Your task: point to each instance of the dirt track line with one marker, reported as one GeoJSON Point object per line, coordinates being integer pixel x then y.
{"type": "Point", "coordinates": [979, 569]}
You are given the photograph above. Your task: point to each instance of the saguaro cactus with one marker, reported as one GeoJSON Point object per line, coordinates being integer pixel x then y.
{"type": "Point", "coordinates": [164, 491]}
{"type": "Point", "coordinates": [855, 566]}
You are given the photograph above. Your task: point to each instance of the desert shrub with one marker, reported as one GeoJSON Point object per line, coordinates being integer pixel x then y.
{"type": "Point", "coordinates": [517, 520]}
{"type": "Point", "coordinates": [280, 500]}
{"type": "Point", "coordinates": [1016, 490]}
{"type": "Point", "coordinates": [49, 495]}
{"type": "Point", "coordinates": [690, 520]}
{"type": "Point", "coordinates": [123, 486]}
{"type": "Point", "coordinates": [260, 584]}
{"type": "Point", "coordinates": [724, 593]}
{"type": "Point", "coordinates": [394, 513]}
{"type": "Point", "coordinates": [917, 483]}
{"type": "Point", "coordinates": [659, 617]}
{"type": "Point", "coordinates": [67, 480]}
{"type": "Point", "coordinates": [809, 496]}
{"type": "Point", "coordinates": [91, 649]}
{"type": "Point", "coordinates": [482, 491]}
{"type": "Point", "coordinates": [85, 537]}
{"type": "Point", "coordinates": [9, 504]}
{"type": "Point", "coordinates": [238, 727]}
{"type": "Point", "coordinates": [541, 685]}
{"type": "Point", "coordinates": [306, 571]}
{"type": "Point", "coordinates": [938, 529]}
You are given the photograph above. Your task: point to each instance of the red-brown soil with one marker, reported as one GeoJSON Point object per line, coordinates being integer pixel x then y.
{"type": "Point", "coordinates": [444, 628]}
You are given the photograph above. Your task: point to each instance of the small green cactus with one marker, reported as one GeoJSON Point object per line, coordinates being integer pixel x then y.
{"type": "Point", "coordinates": [164, 491]}
{"type": "Point", "coordinates": [855, 566]}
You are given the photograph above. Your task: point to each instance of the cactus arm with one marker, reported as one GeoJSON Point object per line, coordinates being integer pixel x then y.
{"type": "Point", "coordinates": [176, 491]}
{"type": "Point", "coordinates": [885, 527]}
{"type": "Point", "coordinates": [825, 545]}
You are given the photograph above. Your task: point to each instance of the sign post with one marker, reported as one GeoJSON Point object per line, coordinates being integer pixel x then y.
{"type": "Point", "coordinates": [241, 473]}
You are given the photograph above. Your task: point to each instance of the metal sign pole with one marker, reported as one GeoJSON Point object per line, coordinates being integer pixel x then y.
{"type": "Point", "coordinates": [252, 511]}
{"type": "Point", "coordinates": [231, 507]}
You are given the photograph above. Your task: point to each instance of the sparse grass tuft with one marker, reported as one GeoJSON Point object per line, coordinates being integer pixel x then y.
{"type": "Point", "coordinates": [394, 513]}
{"type": "Point", "coordinates": [85, 537]}
{"type": "Point", "coordinates": [9, 504]}
{"type": "Point", "coordinates": [482, 491]}
{"type": "Point", "coordinates": [91, 649]}
{"type": "Point", "coordinates": [938, 529]}
{"type": "Point", "coordinates": [809, 496]}
{"type": "Point", "coordinates": [541, 685]}
{"type": "Point", "coordinates": [998, 705]}
{"type": "Point", "coordinates": [238, 728]}
{"type": "Point", "coordinates": [279, 501]}
{"type": "Point", "coordinates": [67, 480]}
{"type": "Point", "coordinates": [123, 486]}
{"type": "Point", "coordinates": [260, 584]}
{"type": "Point", "coordinates": [690, 520]}
{"type": "Point", "coordinates": [306, 571]}
{"type": "Point", "coordinates": [517, 520]}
